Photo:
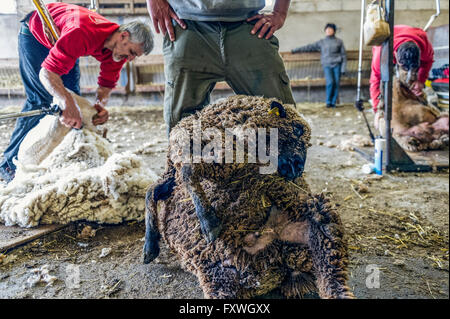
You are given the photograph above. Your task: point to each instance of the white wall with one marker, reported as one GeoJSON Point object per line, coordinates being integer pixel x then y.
{"type": "Point", "coordinates": [304, 24]}
{"type": "Point", "coordinates": [307, 19]}
{"type": "Point", "coordinates": [9, 28]}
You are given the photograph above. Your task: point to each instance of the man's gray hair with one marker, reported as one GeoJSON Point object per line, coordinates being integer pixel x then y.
{"type": "Point", "coordinates": [139, 33]}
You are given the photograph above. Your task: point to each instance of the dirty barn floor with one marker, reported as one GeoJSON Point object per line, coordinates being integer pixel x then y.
{"type": "Point", "coordinates": [397, 226]}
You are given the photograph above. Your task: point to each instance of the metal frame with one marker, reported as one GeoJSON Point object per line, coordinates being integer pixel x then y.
{"type": "Point", "coordinates": [434, 16]}
{"type": "Point", "coordinates": [396, 158]}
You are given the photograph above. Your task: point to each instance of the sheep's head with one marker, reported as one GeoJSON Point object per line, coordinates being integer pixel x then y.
{"type": "Point", "coordinates": [408, 62]}
{"type": "Point", "coordinates": [406, 76]}
{"type": "Point", "coordinates": [274, 137]}
{"type": "Point", "coordinates": [293, 139]}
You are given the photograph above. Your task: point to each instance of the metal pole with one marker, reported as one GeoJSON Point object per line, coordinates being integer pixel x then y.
{"type": "Point", "coordinates": [359, 102]}
{"type": "Point", "coordinates": [46, 19]}
{"type": "Point", "coordinates": [19, 115]}
{"type": "Point", "coordinates": [361, 35]}
{"type": "Point", "coordinates": [387, 77]}
{"type": "Point", "coordinates": [93, 6]}
{"type": "Point", "coordinates": [434, 16]}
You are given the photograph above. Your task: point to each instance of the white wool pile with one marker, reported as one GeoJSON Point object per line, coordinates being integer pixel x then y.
{"type": "Point", "coordinates": [81, 179]}
{"type": "Point", "coordinates": [355, 141]}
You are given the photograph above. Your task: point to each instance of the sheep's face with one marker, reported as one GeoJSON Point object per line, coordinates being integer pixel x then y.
{"type": "Point", "coordinates": [407, 77]}
{"type": "Point", "coordinates": [273, 137]}
{"type": "Point", "coordinates": [293, 141]}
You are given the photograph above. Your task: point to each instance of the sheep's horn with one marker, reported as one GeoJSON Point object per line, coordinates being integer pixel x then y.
{"type": "Point", "coordinates": [210, 225]}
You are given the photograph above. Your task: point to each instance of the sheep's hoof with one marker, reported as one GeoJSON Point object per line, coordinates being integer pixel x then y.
{"type": "Point", "coordinates": [444, 139]}
{"type": "Point", "coordinates": [151, 251]}
{"type": "Point", "coordinates": [210, 226]}
{"type": "Point", "coordinates": [213, 234]}
{"type": "Point", "coordinates": [346, 295]}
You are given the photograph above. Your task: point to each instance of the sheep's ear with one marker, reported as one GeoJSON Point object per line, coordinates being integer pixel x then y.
{"type": "Point", "coordinates": [278, 109]}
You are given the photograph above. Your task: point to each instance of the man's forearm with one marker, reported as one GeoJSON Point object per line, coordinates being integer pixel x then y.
{"type": "Point", "coordinates": [424, 71]}
{"type": "Point", "coordinates": [71, 116]}
{"type": "Point", "coordinates": [282, 6]}
{"type": "Point", "coordinates": [53, 84]}
{"type": "Point", "coordinates": [102, 95]}
{"type": "Point", "coordinates": [314, 47]}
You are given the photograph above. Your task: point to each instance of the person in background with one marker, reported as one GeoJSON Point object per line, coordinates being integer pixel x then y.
{"type": "Point", "coordinates": [51, 69]}
{"type": "Point", "coordinates": [413, 52]}
{"type": "Point", "coordinates": [334, 61]}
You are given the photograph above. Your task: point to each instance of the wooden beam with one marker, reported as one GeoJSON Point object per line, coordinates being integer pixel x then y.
{"type": "Point", "coordinates": [13, 236]}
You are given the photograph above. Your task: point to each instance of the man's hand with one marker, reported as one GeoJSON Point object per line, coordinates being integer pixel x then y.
{"type": "Point", "coordinates": [102, 115]}
{"type": "Point", "coordinates": [162, 15]}
{"type": "Point", "coordinates": [102, 97]}
{"type": "Point", "coordinates": [417, 88]}
{"type": "Point", "coordinates": [378, 121]}
{"type": "Point", "coordinates": [71, 115]}
{"type": "Point", "coordinates": [267, 24]}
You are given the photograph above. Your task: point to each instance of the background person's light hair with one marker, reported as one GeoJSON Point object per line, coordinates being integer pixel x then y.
{"type": "Point", "coordinates": [139, 33]}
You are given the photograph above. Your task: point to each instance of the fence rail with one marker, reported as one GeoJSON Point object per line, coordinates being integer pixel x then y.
{"type": "Point", "coordinates": [147, 73]}
{"type": "Point", "coordinates": [114, 7]}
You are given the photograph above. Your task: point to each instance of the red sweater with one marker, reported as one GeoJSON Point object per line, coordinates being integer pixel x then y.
{"type": "Point", "coordinates": [83, 33]}
{"type": "Point", "coordinates": [402, 34]}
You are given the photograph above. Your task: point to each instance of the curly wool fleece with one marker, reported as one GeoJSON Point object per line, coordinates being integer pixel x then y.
{"type": "Point", "coordinates": [275, 233]}
{"type": "Point", "coordinates": [81, 179]}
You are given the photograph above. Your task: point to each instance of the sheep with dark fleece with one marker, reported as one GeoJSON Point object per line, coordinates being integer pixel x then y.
{"type": "Point", "coordinates": [243, 233]}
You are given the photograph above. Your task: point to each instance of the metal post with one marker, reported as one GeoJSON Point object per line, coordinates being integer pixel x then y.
{"type": "Point", "coordinates": [396, 157]}
{"type": "Point", "coordinates": [387, 69]}
{"type": "Point", "coordinates": [47, 20]}
{"type": "Point", "coordinates": [359, 104]}
{"type": "Point", "coordinates": [434, 16]}
{"type": "Point", "coordinates": [94, 5]}
{"type": "Point", "coordinates": [361, 35]}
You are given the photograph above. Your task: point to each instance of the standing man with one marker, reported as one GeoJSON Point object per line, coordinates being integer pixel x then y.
{"type": "Point", "coordinates": [414, 53]}
{"type": "Point", "coordinates": [49, 69]}
{"type": "Point", "coordinates": [334, 61]}
{"type": "Point", "coordinates": [207, 41]}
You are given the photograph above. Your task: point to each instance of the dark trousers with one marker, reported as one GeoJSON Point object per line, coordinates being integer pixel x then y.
{"type": "Point", "coordinates": [31, 56]}
{"type": "Point", "coordinates": [332, 79]}
{"type": "Point", "coordinates": [209, 52]}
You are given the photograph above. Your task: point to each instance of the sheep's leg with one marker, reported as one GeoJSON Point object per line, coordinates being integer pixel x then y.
{"type": "Point", "coordinates": [209, 223]}
{"type": "Point", "coordinates": [328, 250]}
{"type": "Point", "coordinates": [160, 191]}
{"type": "Point", "coordinates": [409, 143]}
{"type": "Point", "coordinates": [440, 128]}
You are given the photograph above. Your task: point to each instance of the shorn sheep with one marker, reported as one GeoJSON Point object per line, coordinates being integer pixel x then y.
{"type": "Point", "coordinates": [65, 175]}
{"type": "Point", "coordinates": [416, 125]}
{"type": "Point", "coordinates": [244, 233]}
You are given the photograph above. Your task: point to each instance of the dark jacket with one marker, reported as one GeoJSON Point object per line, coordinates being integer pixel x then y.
{"type": "Point", "coordinates": [332, 51]}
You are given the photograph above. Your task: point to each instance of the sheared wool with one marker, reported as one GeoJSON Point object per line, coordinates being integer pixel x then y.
{"type": "Point", "coordinates": [81, 179]}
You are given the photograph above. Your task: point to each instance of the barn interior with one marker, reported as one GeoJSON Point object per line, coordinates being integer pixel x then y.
{"type": "Point", "coordinates": [396, 224]}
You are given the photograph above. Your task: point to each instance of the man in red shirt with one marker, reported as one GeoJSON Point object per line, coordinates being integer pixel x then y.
{"type": "Point", "coordinates": [48, 70]}
{"type": "Point", "coordinates": [413, 52]}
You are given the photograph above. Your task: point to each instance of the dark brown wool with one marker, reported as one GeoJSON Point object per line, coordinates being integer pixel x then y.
{"type": "Point", "coordinates": [275, 233]}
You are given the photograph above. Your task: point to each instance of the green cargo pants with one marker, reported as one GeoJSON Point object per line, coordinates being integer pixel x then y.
{"type": "Point", "coordinates": [208, 52]}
